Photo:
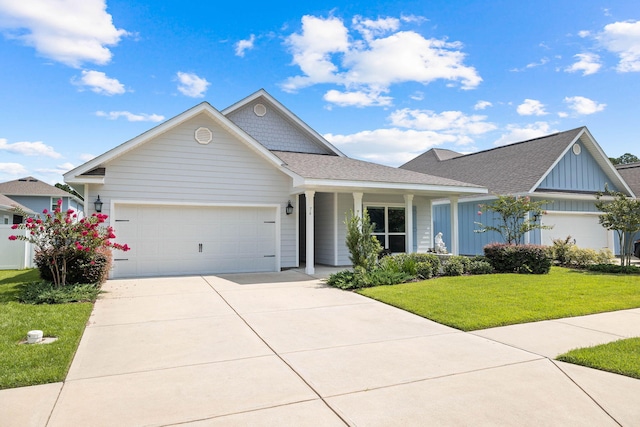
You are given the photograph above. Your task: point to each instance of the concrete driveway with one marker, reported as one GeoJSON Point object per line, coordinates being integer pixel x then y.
{"type": "Point", "coordinates": [282, 349]}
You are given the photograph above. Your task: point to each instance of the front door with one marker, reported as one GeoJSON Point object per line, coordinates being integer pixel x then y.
{"type": "Point", "coordinates": [389, 227]}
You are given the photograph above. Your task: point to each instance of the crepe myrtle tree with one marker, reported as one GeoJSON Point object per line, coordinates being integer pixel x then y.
{"type": "Point", "coordinates": [61, 237]}
{"type": "Point", "coordinates": [514, 217]}
{"type": "Point", "coordinates": [622, 214]}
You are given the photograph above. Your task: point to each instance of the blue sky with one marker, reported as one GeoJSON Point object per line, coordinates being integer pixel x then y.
{"type": "Point", "coordinates": [383, 81]}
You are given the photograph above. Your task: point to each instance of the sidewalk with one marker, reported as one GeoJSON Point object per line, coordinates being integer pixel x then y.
{"type": "Point", "coordinates": [283, 349]}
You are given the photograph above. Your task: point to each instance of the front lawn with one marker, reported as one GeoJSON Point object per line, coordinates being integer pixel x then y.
{"type": "Point", "coordinates": [621, 357]}
{"type": "Point", "coordinates": [22, 364]}
{"type": "Point", "coordinates": [485, 301]}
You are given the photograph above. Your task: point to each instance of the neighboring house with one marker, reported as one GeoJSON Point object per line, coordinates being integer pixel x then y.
{"type": "Point", "coordinates": [36, 195]}
{"type": "Point", "coordinates": [249, 188]}
{"type": "Point", "coordinates": [566, 168]}
{"type": "Point", "coordinates": [13, 254]}
{"type": "Point", "coordinates": [631, 174]}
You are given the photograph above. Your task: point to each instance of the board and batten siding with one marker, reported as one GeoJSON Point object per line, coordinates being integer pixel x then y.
{"type": "Point", "coordinates": [174, 168]}
{"type": "Point", "coordinates": [578, 172]}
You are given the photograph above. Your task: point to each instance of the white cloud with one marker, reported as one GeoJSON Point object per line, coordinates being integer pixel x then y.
{"type": "Point", "coordinates": [32, 149]}
{"type": "Point", "coordinates": [563, 115]}
{"type": "Point", "coordinates": [583, 106]}
{"type": "Point", "coordinates": [531, 107]}
{"type": "Point", "coordinates": [517, 133]}
{"type": "Point", "coordinates": [327, 52]}
{"type": "Point", "coordinates": [481, 105]}
{"type": "Point", "coordinates": [623, 39]}
{"type": "Point", "coordinates": [243, 45]}
{"type": "Point", "coordinates": [356, 99]}
{"type": "Point", "coordinates": [68, 31]}
{"type": "Point", "coordinates": [12, 169]}
{"type": "Point", "coordinates": [58, 170]}
{"type": "Point", "coordinates": [142, 117]}
{"type": "Point", "coordinates": [588, 63]}
{"type": "Point", "coordinates": [391, 147]}
{"type": "Point", "coordinates": [543, 61]}
{"type": "Point", "coordinates": [191, 85]}
{"type": "Point", "coordinates": [85, 157]}
{"type": "Point", "coordinates": [98, 82]}
{"type": "Point", "coordinates": [448, 122]}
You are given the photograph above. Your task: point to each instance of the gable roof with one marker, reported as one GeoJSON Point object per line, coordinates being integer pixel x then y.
{"type": "Point", "coordinates": [631, 174]}
{"type": "Point", "coordinates": [514, 168]}
{"type": "Point", "coordinates": [30, 186]}
{"type": "Point", "coordinates": [85, 173]}
{"type": "Point", "coordinates": [325, 170]}
{"type": "Point", "coordinates": [264, 96]}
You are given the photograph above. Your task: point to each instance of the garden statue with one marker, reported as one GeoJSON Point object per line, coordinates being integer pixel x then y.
{"type": "Point", "coordinates": [440, 248]}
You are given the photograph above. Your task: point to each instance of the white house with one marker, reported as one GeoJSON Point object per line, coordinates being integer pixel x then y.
{"type": "Point", "coordinates": [250, 188]}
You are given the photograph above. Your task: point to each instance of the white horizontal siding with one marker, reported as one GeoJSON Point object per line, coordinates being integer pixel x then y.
{"type": "Point", "coordinates": [173, 167]}
{"type": "Point", "coordinates": [423, 222]}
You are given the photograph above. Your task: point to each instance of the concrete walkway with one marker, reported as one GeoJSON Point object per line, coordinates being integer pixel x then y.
{"type": "Point", "coordinates": [281, 349]}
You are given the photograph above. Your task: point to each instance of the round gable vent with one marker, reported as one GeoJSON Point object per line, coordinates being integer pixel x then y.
{"type": "Point", "coordinates": [260, 110]}
{"type": "Point", "coordinates": [577, 149]}
{"type": "Point", "coordinates": [203, 135]}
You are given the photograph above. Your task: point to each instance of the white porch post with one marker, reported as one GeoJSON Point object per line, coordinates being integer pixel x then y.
{"type": "Point", "coordinates": [357, 204]}
{"type": "Point", "coordinates": [454, 226]}
{"type": "Point", "coordinates": [309, 263]}
{"type": "Point", "coordinates": [408, 212]}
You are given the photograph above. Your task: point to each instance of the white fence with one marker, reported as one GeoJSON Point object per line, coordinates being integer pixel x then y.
{"type": "Point", "coordinates": [16, 254]}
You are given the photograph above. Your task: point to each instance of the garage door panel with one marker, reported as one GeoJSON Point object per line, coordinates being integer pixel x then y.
{"type": "Point", "coordinates": [195, 240]}
{"type": "Point", "coordinates": [584, 229]}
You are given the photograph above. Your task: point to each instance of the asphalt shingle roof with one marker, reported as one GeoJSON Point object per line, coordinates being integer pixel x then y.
{"type": "Point", "coordinates": [8, 203]}
{"type": "Point", "coordinates": [317, 166]}
{"type": "Point", "coordinates": [30, 186]}
{"type": "Point", "coordinates": [631, 174]}
{"type": "Point", "coordinates": [509, 169]}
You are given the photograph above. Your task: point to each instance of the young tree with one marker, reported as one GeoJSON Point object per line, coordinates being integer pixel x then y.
{"type": "Point", "coordinates": [61, 237]}
{"type": "Point", "coordinates": [515, 217]}
{"type": "Point", "coordinates": [362, 244]}
{"type": "Point", "coordinates": [625, 159]}
{"type": "Point", "coordinates": [621, 214]}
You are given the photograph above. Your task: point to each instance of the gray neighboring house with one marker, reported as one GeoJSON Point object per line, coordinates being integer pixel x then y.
{"type": "Point", "coordinates": [32, 196]}
{"type": "Point", "coordinates": [250, 188]}
{"type": "Point", "coordinates": [631, 174]}
{"type": "Point", "coordinates": [37, 195]}
{"type": "Point", "coordinates": [565, 168]}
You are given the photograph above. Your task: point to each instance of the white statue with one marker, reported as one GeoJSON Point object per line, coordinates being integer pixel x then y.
{"type": "Point", "coordinates": [440, 248]}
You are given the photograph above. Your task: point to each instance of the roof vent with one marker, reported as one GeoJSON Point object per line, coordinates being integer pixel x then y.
{"type": "Point", "coordinates": [577, 149]}
{"type": "Point", "coordinates": [260, 110]}
{"type": "Point", "coordinates": [203, 135]}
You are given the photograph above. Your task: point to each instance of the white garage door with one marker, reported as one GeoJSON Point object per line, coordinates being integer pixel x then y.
{"type": "Point", "coordinates": [585, 229]}
{"type": "Point", "coordinates": [171, 240]}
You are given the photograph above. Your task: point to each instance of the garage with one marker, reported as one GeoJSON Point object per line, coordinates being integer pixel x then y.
{"type": "Point", "coordinates": [583, 228]}
{"type": "Point", "coordinates": [186, 240]}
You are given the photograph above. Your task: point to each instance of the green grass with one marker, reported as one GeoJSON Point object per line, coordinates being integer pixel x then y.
{"type": "Point", "coordinates": [478, 302]}
{"type": "Point", "coordinates": [621, 357]}
{"type": "Point", "coordinates": [24, 365]}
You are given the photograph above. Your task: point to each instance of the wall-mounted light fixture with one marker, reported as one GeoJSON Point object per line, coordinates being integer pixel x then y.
{"type": "Point", "coordinates": [289, 208]}
{"type": "Point", "coordinates": [536, 217]}
{"type": "Point", "coordinates": [98, 204]}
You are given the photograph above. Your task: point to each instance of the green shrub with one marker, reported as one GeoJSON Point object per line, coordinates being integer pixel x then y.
{"type": "Point", "coordinates": [342, 279]}
{"type": "Point", "coordinates": [560, 249]}
{"type": "Point", "coordinates": [454, 266]}
{"type": "Point", "coordinates": [363, 246]}
{"type": "Point", "coordinates": [424, 270]}
{"type": "Point", "coordinates": [526, 259]}
{"type": "Point", "coordinates": [422, 260]}
{"type": "Point", "coordinates": [82, 269]}
{"type": "Point", "coordinates": [382, 278]}
{"type": "Point", "coordinates": [361, 278]}
{"type": "Point", "coordinates": [479, 267]}
{"type": "Point", "coordinates": [47, 293]}
{"type": "Point", "coordinates": [614, 268]}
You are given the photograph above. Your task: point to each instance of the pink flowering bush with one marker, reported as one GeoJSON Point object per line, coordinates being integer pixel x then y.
{"type": "Point", "coordinates": [62, 239]}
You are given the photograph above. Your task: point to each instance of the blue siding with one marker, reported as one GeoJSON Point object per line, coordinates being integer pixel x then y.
{"type": "Point", "coordinates": [570, 205]}
{"type": "Point", "coordinates": [442, 223]}
{"type": "Point", "coordinates": [577, 173]}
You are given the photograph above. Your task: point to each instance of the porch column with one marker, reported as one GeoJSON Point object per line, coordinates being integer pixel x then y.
{"type": "Point", "coordinates": [357, 204]}
{"type": "Point", "coordinates": [408, 214]}
{"type": "Point", "coordinates": [454, 249]}
{"type": "Point", "coordinates": [310, 263]}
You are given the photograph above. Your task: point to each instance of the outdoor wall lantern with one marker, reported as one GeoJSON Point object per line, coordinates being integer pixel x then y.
{"type": "Point", "coordinates": [98, 204]}
{"type": "Point", "coordinates": [289, 208]}
{"type": "Point", "coordinates": [536, 217]}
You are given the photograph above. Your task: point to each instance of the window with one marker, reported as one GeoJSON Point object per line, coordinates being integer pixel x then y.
{"type": "Point", "coordinates": [389, 227]}
{"type": "Point", "coordinates": [5, 220]}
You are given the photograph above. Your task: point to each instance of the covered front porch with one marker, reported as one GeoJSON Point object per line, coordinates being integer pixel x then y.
{"type": "Point", "coordinates": [403, 223]}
